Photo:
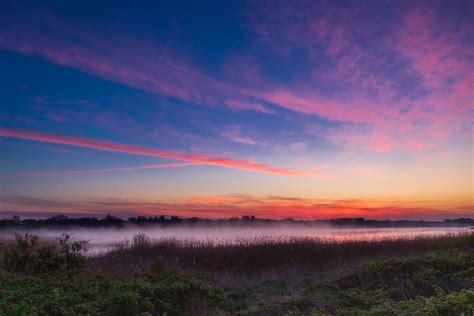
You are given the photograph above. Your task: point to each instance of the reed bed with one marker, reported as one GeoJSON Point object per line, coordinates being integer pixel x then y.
{"type": "Point", "coordinates": [264, 254]}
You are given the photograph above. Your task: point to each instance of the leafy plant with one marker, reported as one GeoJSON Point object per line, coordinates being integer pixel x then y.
{"type": "Point", "coordinates": [26, 255]}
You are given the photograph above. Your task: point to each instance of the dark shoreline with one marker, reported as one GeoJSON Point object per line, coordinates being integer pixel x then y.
{"type": "Point", "coordinates": [62, 221]}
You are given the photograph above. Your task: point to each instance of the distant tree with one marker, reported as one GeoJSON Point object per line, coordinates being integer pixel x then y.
{"type": "Point", "coordinates": [248, 217]}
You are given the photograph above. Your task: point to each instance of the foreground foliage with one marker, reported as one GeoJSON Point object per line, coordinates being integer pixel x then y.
{"type": "Point", "coordinates": [132, 295]}
{"type": "Point", "coordinates": [436, 282]}
{"type": "Point", "coordinates": [26, 255]}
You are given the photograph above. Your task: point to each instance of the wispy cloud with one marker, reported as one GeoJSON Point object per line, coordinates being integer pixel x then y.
{"type": "Point", "coordinates": [234, 134]}
{"type": "Point", "coordinates": [169, 74]}
{"type": "Point", "coordinates": [242, 105]}
{"type": "Point", "coordinates": [415, 73]}
{"type": "Point", "coordinates": [86, 171]}
{"type": "Point", "coordinates": [408, 84]}
{"type": "Point", "coordinates": [145, 151]}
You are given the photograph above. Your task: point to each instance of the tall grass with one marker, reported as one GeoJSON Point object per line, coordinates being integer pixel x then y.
{"type": "Point", "coordinates": [255, 256]}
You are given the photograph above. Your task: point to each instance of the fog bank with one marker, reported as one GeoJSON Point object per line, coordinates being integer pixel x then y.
{"type": "Point", "coordinates": [102, 238]}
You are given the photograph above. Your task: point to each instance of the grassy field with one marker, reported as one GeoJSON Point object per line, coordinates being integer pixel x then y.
{"type": "Point", "coordinates": [423, 276]}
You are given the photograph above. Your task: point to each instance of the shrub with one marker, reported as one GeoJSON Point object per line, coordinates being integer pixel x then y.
{"type": "Point", "coordinates": [70, 252]}
{"type": "Point", "coordinates": [26, 255]}
{"type": "Point", "coordinates": [17, 257]}
{"type": "Point", "coordinates": [141, 241]}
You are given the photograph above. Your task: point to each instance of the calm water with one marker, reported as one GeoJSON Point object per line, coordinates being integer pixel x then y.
{"type": "Point", "coordinates": [102, 238]}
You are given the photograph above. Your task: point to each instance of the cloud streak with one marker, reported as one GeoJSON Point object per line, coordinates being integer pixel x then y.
{"type": "Point", "coordinates": [145, 151]}
{"type": "Point", "coordinates": [168, 75]}
{"type": "Point", "coordinates": [87, 171]}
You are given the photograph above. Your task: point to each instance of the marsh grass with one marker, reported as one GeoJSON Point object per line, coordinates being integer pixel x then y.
{"type": "Point", "coordinates": [262, 256]}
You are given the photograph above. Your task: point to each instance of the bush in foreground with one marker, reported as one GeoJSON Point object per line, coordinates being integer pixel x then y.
{"type": "Point", "coordinates": [27, 255]}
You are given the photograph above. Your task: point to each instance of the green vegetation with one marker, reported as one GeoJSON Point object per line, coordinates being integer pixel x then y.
{"type": "Point", "coordinates": [130, 295]}
{"type": "Point", "coordinates": [27, 256]}
{"type": "Point", "coordinates": [431, 282]}
{"type": "Point", "coordinates": [434, 283]}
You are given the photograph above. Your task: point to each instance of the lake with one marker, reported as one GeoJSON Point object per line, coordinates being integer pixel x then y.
{"type": "Point", "coordinates": [102, 238]}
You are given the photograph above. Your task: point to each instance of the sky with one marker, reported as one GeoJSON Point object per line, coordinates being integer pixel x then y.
{"type": "Point", "coordinates": [303, 109]}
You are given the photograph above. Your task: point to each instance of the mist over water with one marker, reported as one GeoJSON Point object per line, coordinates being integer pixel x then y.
{"type": "Point", "coordinates": [100, 239]}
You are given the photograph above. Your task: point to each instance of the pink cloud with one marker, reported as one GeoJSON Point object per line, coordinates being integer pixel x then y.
{"type": "Point", "coordinates": [169, 74]}
{"type": "Point", "coordinates": [441, 55]}
{"type": "Point", "coordinates": [436, 55]}
{"type": "Point", "coordinates": [361, 110]}
{"type": "Point", "coordinates": [145, 151]}
{"type": "Point", "coordinates": [418, 121]}
{"type": "Point", "coordinates": [360, 55]}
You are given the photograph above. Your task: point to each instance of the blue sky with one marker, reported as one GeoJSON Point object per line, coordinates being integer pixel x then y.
{"type": "Point", "coordinates": [338, 108]}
